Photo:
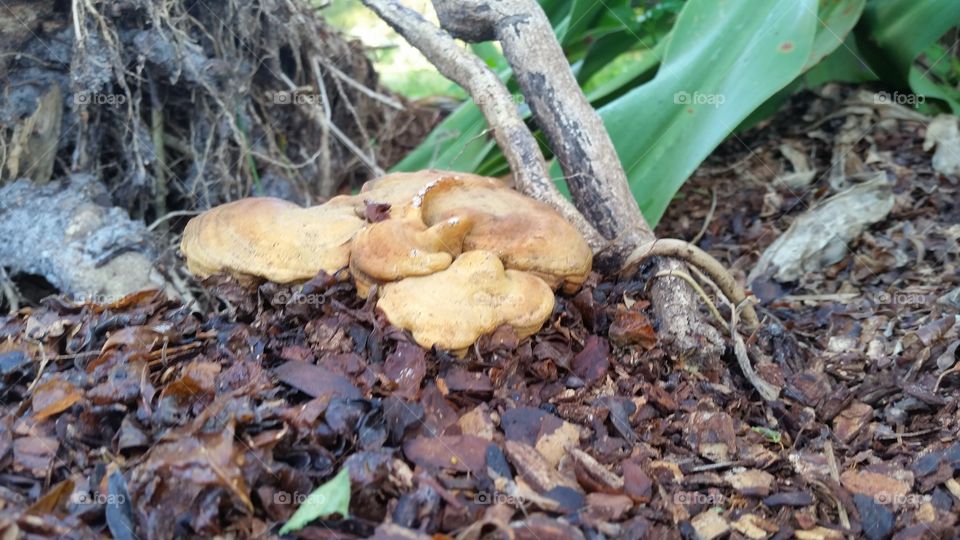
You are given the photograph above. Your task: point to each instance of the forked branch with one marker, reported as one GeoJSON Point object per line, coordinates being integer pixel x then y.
{"type": "Point", "coordinates": [494, 100]}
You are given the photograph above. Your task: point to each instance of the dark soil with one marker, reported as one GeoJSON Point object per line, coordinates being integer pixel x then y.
{"type": "Point", "coordinates": [144, 419]}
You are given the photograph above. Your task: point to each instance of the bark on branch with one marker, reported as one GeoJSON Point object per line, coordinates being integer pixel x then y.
{"type": "Point", "coordinates": [494, 100]}
{"type": "Point", "coordinates": [598, 183]}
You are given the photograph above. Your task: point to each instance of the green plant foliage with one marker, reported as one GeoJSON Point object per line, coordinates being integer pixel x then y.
{"type": "Point", "coordinates": [673, 78]}
{"type": "Point", "coordinates": [893, 33]}
{"type": "Point", "coordinates": [333, 497]}
{"type": "Point", "coordinates": [722, 61]}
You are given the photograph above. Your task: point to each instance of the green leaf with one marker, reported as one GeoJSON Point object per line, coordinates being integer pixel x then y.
{"type": "Point", "coordinates": [835, 20]}
{"type": "Point", "coordinates": [892, 33]}
{"type": "Point", "coordinates": [902, 29]}
{"type": "Point", "coordinates": [723, 59]}
{"type": "Point", "coordinates": [581, 17]}
{"type": "Point", "coordinates": [845, 64]}
{"type": "Point", "coordinates": [333, 497]}
{"type": "Point", "coordinates": [833, 57]}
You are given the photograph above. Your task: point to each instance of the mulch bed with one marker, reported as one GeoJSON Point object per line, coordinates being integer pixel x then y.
{"type": "Point", "coordinates": [145, 419]}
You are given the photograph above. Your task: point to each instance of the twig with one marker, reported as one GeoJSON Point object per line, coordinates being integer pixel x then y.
{"type": "Point", "coordinates": [835, 475]}
{"type": "Point", "coordinates": [494, 100]}
{"type": "Point", "coordinates": [691, 254]}
{"type": "Point", "coordinates": [9, 291]}
{"type": "Point", "coordinates": [766, 390]}
{"type": "Point", "coordinates": [708, 219]}
{"type": "Point", "coordinates": [169, 215]}
{"type": "Point", "coordinates": [386, 100]}
{"type": "Point", "coordinates": [327, 182]}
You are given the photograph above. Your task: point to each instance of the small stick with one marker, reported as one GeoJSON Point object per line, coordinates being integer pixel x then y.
{"type": "Point", "coordinates": [691, 254]}
{"type": "Point", "coordinates": [708, 219]}
{"type": "Point", "coordinates": [767, 391]}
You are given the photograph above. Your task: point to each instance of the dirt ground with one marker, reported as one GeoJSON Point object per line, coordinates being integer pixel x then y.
{"type": "Point", "coordinates": [144, 419]}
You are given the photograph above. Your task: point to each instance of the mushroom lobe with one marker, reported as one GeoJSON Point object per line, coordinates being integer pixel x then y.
{"type": "Point", "coordinates": [525, 233]}
{"type": "Point", "coordinates": [472, 297]}
{"type": "Point", "coordinates": [402, 247]}
{"type": "Point", "coordinates": [264, 237]}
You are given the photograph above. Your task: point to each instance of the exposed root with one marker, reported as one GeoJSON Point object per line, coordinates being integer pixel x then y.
{"type": "Point", "coordinates": [766, 390]}
{"type": "Point", "coordinates": [691, 254]}
{"type": "Point", "coordinates": [698, 289]}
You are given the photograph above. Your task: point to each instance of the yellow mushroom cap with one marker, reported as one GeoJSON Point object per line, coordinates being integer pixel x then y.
{"type": "Point", "coordinates": [408, 188]}
{"type": "Point", "coordinates": [402, 247]}
{"type": "Point", "coordinates": [473, 296]}
{"type": "Point", "coordinates": [525, 233]}
{"type": "Point", "coordinates": [271, 238]}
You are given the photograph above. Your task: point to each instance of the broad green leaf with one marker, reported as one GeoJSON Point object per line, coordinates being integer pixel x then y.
{"type": "Point", "coordinates": [581, 17]}
{"type": "Point", "coordinates": [892, 33]}
{"type": "Point", "coordinates": [833, 57]}
{"type": "Point", "coordinates": [923, 86]}
{"type": "Point", "coordinates": [902, 29]}
{"type": "Point", "coordinates": [845, 64]}
{"type": "Point", "coordinates": [333, 497]}
{"type": "Point", "coordinates": [835, 19]}
{"type": "Point", "coordinates": [452, 144]}
{"type": "Point", "coordinates": [723, 59]}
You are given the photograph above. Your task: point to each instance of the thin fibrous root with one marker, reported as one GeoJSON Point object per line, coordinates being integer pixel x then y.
{"type": "Point", "coordinates": [691, 254]}
{"type": "Point", "coordinates": [698, 289]}
{"type": "Point", "coordinates": [766, 390]}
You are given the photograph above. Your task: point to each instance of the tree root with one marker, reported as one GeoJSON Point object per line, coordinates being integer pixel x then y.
{"type": "Point", "coordinates": [767, 391]}
{"type": "Point", "coordinates": [685, 251]}
{"type": "Point", "coordinates": [605, 211]}
{"type": "Point", "coordinates": [711, 307]}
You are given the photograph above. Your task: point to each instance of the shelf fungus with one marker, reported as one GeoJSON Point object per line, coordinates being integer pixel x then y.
{"type": "Point", "coordinates": [394, 249]}
{"type": "Point", "coordinates": [269, 238]}
{"type": "Point", "coordinates": [454, 307]}
{"type": "Point", "coordinates": [457, 256]}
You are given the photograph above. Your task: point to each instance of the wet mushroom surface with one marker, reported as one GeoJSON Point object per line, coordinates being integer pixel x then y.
{"type": "Point", "coordinates": [521, 248]}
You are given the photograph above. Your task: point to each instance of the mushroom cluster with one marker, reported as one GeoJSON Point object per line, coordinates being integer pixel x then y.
{"type": "Point", "coordinates": [457, 256]}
